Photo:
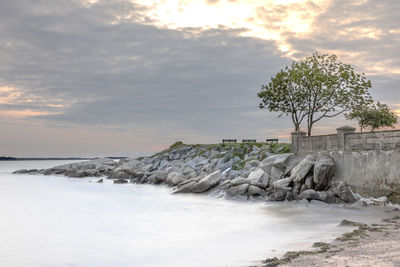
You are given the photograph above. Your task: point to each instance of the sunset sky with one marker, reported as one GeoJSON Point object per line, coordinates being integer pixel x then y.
{"type": "Point", "coordinates": [123, 78]}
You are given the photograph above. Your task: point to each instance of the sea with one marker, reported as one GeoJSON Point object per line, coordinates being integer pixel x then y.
{"type": "Point", "coordinates": [64, 222]}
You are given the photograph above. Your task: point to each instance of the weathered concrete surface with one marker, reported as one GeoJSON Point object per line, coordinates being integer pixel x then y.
{"type": "Point", "coordinates": [372, 173]}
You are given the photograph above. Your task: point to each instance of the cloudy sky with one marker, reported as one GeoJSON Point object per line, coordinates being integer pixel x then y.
{"type": "Point", "coordinates": [120, 77]}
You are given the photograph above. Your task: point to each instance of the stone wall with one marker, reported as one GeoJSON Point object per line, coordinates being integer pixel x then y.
{"type": "Point", "coordinates": [345, 140]}
{"type": "Point", "coordinates": [369, 162]}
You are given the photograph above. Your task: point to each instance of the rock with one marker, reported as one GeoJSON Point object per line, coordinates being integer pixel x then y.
{"type": "Point", "coordinates": [174, 178]}
{"type": "Point", "coordinates": [309, 182]}
{"type": "Point", "coordinates": [157, 177]}
{"type": "Point", "coordinates": [100, 181]}
{"type": "Point", "coordinates": [290, 196]}
{"type": "Point", "coordinates": [207, 182]}
{"type": "Point", "coordinates": [263, 182]}
{"type": "Point", "coordinates": [346, 194]}
{"type": "Point", "coordinates": [278, 195]}
{"type": "Point", "coordinates": [252, 163]}
{"type": "Point", "coordinates": [276, 174]}
{"type": "Point", "coordinates": [120, 181]}
{"type": "Point", "coordinates": [25, 171]}
{"type": "Point", "coordinates": [309, 194]}
{"type": "Point", "coordinates": [303, 168]}
{"type": "Point", "coordinates": [237, 190]}
{"type": "Point", "coordinates": [256, 191]}
{"type": "Point", "coordinates": [256, 175]}
{"type": "Point", "coordinates": [281, 161]}
{"type": "Point", "coordinates": [282, 183]}
{"type": "Point", "coordinates": [267, 163]}
{"type": "Point", "coordinates": [185, 187]}
{"type": "Point", "coordinates": [327, 197]}
{"type": "Point", "coordinates": [324, 169]}
{"type": "Point", "coordinates": [233, 174]}
{"type": "Point", "coordinates": [239, 181]}
{"type": "Point", "coordinates": [197, 162]}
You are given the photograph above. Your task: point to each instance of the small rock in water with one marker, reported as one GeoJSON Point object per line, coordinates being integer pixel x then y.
{"type": "Point", "coordinates": [100, 181]}
{"type": "Point", "coordinates": [120, 181]}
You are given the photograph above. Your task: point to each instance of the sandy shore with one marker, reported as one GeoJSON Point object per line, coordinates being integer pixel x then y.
{"type": "Point", "coordinates": [368, 245]}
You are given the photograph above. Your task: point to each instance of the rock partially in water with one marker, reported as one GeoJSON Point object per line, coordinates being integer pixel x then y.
{"type": "Point", "coordinates": [239, 190]}
{"type": "Point", "coordinates": [207, 182]}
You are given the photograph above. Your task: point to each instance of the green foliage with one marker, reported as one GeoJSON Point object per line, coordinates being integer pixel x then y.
{"type": "Point", "coordinates": [373, 117]}
{"type": "Point", "coordinates": [315, 88]}
{"type": "Point", "coordinates": [176, 145]}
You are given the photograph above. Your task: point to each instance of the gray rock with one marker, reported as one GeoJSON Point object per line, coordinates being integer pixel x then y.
{"type": "Point", "coordinates": [120, 181]}
{"type": "Point", "coordinates": [174, 178]}
{"type": "Point", "coordinates": [207, 182]}
{"type": "Point", "coordinates": [281, 161]}
{"type": "Point", "coordinates": [309, 182]}
{"type": "Point", "coordinates": [345, 193]}
{"type": "Point", "coordinates": [309, 194]}
{"type": "Point", "coordinates": [256, 175]}
{"type": "Point", "coordinates": [276, 173]}
{"type": "Point", "coordinates": [185, 187]}
{"type": "Point", "coordinates": [256, 191]}
{"type": "Point", "coordinates": [237, 190]}
{"type": "Point", "coordinates": [239, 181]}
{"type": "Point", "coordinates": [303, 168]}
{"type": "Point", "coordinates": [197, 163]}
{"type": "Point", "coordinates": [278, 195]}
{"type": "Point", "coordinates": [282, 183]}
{"type": "Point", "coordinates": [233, 174]}
{"type": "Point", "coordinates": [324, 169]}
{"type": "Point", "coordinates": [263, 182]}
{"type": "Point", "coordinates": [25, 171]}
{"type": "Point", "coordinates": [157, 177]}
{"type": "Point", "coordinates": [100, 181]}
{"type": "Point", "coordinates": [252, 163]}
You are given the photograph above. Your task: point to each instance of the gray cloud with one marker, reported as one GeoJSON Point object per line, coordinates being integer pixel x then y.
{"type": "Point", "coordinates": [112, 71]}
{"type": "Point", "coordinates": [130, 75]}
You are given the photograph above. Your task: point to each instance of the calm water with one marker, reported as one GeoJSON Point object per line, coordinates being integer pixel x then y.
{"type": "Point", "coordinates": [57, 221]}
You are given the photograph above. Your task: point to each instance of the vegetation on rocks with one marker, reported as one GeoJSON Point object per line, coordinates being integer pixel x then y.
{"type": "Point", "coordinates": [258, 170]}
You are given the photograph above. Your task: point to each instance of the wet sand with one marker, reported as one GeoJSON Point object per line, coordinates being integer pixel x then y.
{"type": "Point", "coordinates": [367, 245]}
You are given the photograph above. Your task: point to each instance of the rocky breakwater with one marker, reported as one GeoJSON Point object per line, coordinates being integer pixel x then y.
{"type": "Point", "coordinates": [236, 170]}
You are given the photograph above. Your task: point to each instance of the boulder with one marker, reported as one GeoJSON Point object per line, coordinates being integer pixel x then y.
{"type": "Point", "coordinates": [263, 182]}
{"type": "Point", "coordinates": [309, 194]}
{"type": "Point", "coordinates": [174, 178]}
{"type": "Point", "coordinates": [278, 195]}
{"type": "Point", "coordinates": [25, 171]}
{"type": "Point", "coordinates": [185, 187]}
{"type": "Point", "coordinates": [282, 183]}
{"type": "Point", "coordinates": [309, 182]}
{"type": "Point", "coordinates": [239, 181]}
{"type": "Point", "coordinates": [256, 191]}
{"type": "Point", "coordinates": [276, 174]}
{"type": "Point", "coordinates": [120, 181]}
{"type": "Point", "coordinates": [256, 175]}
{"type": "Point", "coordinates": [281, 161]}
{"type": "Point", "coordinates": [303, 168]}
{"type": "Point", "coordinates": [157, 177]}
{"type": "Point", "coordinates": [237, 190]}
{"type": "Point", "coordinates": [100, 181]}
{"type": "Point", "coordinates": [207, 182]}
{"type": "Point", "coordinates": [324, 169]}
{"type": "Point", "coordinates": [197, 162]}
{"type": "Point", "coordinates": [328, 198]}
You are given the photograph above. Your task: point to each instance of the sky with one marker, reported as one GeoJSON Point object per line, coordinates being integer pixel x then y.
{"type": "Point", "coordinates": [125, 78]}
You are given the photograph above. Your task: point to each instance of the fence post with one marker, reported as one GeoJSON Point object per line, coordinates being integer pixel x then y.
{"type": "Point", "coordinates": [341, 132]}
{"type": "Point", "coordinates": [296, 140]}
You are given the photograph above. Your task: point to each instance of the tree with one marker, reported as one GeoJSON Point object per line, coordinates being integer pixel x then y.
{"type": "Point", "coordinates": [373, 116]}
{"type": "Point", "coordinates": [315, 88]}
{"type": "Point", "coordinates": [283, 94]}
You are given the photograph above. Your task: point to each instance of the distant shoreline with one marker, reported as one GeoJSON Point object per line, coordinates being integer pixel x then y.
{"type": "Point", "coordinates": [16, 159]}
